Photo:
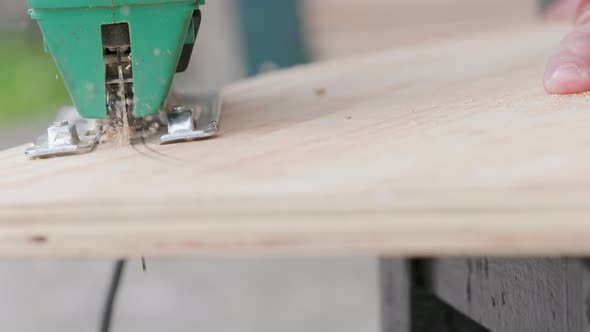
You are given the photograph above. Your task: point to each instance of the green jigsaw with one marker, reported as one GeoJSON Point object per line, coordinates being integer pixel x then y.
{"type": "Point", "coordinates": [118, 59]}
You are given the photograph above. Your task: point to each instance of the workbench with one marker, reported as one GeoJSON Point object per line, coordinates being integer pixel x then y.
{"type": "Point", "coordinates": [444, 149]}
{"type": "Point", "coordinates": [485, 294]}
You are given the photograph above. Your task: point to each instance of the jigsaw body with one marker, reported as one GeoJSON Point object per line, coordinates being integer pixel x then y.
{"type": "Point", "coordinates": [118, 59]}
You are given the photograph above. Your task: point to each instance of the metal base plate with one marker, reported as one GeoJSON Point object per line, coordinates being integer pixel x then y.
{"type": "Point", "coordinates": [59, 150]}
{"type": "Point", "coordinates": [72, 134]}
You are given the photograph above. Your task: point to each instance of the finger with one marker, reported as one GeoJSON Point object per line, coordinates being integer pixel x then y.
{"type": "Point", "coordinates": [568, 70]}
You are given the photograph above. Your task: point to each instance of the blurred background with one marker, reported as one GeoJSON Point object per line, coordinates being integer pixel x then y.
{"type": "Point", "coordinates": [238, 39]}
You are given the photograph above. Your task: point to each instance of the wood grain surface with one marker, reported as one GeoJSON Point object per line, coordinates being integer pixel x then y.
{"type": "Point", "coordinates": [447, 148]}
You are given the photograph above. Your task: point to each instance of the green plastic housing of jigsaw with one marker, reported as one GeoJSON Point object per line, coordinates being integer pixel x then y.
{"type": "Point", "coordinates": [158, 32]}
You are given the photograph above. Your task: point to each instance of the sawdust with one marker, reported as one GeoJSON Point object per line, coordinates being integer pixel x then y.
{"type": "Point", "coordinates": [116, 128]}
{"type": "Point", "coordinates": [128, 133]}
{"type": "Point", "coordinates": [119, 135]}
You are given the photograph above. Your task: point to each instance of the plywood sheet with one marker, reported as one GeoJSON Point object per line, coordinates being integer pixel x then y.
{"type": "Point", "coordinates": [445, 148]}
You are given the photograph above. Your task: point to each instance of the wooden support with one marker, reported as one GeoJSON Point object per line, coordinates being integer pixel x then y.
{"type": "Point", "coordinates": [510, 295]}
{"type": "Point", "coordinates": [486, 294]}
{"type": "Point", "coordinates": [395, 283]}
{"type": "Point", "coordinates": [408, 305]}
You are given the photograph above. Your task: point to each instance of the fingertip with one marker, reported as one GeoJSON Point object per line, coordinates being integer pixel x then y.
{"type": "Point", "coordinates": [566, 78]}
{"type": "Point", "coordinates": [568, 70]}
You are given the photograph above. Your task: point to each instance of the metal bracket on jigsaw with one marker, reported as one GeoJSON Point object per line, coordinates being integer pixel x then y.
{"type": "Point", "coordinates": [69, 135]}
{"type": "Point", "coordinates": [188, 124]}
